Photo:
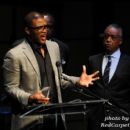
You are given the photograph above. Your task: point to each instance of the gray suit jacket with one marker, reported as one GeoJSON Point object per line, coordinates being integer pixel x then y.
{"type": "Point", "coordinates": [21, 71]}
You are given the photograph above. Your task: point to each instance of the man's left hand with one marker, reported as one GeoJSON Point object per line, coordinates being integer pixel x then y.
{"type": "Point", "coordinates": [86, 80]}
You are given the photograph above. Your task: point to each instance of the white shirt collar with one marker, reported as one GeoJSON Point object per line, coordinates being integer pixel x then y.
{"type": "Point", "coordinates": [115, 54]}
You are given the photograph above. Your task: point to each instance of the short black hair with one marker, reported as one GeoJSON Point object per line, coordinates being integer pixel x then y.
{"type": "Point", "coordinates": [117, 26]}
{"type": "Point", "coordinates": [30, 16]}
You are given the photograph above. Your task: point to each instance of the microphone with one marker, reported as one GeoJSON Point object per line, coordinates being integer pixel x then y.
{"type": "Point", "coordinates": [66, 78]}
{"type": "Point", "coordinates": [58, 65]}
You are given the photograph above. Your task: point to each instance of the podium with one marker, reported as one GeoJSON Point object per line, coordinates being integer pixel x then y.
{"type": "Point", "coordinates": [73, 107]}
{"type": "Point", "coordinates": [76, 112]}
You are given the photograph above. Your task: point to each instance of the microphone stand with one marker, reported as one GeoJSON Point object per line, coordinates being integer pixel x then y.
{"type": "Point", "coordinates": [58, 65]}
{"type": "Point", "coordinates": [93, 95]}
{"type": "Point", "coordinates": [115, 108]}
{"type": "Point", "coordinates": [81, 90]}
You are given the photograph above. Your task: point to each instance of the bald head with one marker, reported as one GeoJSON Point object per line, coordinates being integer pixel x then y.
{"type": "Point", "coordinates": [50, 23]}
{"type": "Point", "coordinates": [30, 17]}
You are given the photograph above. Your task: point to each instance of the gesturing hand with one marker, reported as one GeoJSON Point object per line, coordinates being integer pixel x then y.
{"type": "Point", "coordinates": [86, 80]}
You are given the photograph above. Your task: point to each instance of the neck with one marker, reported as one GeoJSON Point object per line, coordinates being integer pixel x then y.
{"type": "Point", "coordinates": [111, 52]}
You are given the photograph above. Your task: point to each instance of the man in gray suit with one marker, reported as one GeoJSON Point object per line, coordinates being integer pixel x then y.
{"type": "Point", "coordinates": [33, 65]}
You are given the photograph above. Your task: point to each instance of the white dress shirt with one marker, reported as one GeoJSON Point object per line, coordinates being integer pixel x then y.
{"type": "Point", "coordinates": [114, 62]}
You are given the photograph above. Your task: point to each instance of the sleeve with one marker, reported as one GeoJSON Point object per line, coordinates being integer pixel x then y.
{"type": "Point", "coordinates": [11, 75]}
{"type": "Point", "coordinates": [69, 80]}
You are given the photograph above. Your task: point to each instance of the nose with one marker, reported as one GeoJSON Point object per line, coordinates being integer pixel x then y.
{"type": "Point", "coordinates": [108, 39]}
{"type": "Point", "coordinates": [44, 29]}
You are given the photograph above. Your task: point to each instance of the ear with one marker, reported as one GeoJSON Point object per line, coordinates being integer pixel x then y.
{"type": "Point", "coordinates": [27, 31]}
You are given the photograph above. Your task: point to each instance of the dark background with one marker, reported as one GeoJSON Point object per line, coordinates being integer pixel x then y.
{"type": "Point", "coordinates": [78, 24]}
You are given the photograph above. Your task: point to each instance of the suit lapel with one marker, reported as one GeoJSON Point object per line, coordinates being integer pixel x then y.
{"type": "Point", "coordinates": [99, 64]}
{"type": "Point", "coordinates": [100, 68]}
{"type": "Point", "coordinates": [51, 53]}
{"type": "Point", "coordinates": [27, 50]}
{"type": "Point", "coordinates": [54, 56]}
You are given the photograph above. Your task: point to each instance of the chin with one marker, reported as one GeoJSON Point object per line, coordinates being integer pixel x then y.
{"type": "Point", "coordinates": [42, 42]}
{"type": "Point", "coordinates": [108, 51]}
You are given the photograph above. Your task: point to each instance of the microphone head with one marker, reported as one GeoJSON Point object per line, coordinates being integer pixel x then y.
{"type": "Point", "coordinates": [63, 61]}
{"type": "Point", "coordinates": [58, 63]}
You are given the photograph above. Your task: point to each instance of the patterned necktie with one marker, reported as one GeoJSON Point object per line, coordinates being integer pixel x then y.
{"type": "Point", "coordinates": [107, 70]}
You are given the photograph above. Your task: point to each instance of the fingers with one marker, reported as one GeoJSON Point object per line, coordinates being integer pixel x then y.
{"type": "Point", "coordinates": [38, 97]}
{"type": "Point", "coordinates": [87, 85]}
{"type": "Point", "coordinates": [41, 95]}
{"type": "Point", "coordinates": [44, 100]}
{"type": "Point", "coordinates": [91, 83]}
{"type": "Point", "coordinates": [95, 74]}
{"type": "Point", "coordinates": [84, 69]}
{"type": "Point", "coordinates": [96, 78]}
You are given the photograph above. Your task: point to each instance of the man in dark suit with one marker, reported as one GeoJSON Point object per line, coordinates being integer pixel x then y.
{"type": "Point", "coordinates": [114, 83]}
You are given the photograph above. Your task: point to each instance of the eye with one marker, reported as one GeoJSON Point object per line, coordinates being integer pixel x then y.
{"type": "Point", "coordinates": [39, 28]}
{"type": "Point", "coordinates": [113, 37]}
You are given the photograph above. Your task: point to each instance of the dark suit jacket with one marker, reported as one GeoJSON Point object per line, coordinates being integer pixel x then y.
{"type": "Point", "coordinates": [118, 90]}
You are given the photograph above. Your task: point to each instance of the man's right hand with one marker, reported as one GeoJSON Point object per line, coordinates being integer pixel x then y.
{"type": "Point", "coordinates": [38, 97]}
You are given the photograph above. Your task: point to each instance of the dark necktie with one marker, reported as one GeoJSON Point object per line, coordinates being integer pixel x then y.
{"type": "Point", "coordinates": [107, 70]}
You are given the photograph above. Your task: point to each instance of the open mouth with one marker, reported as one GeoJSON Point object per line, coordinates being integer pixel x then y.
{"type": "Point", "coordinates": [43, 37]}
